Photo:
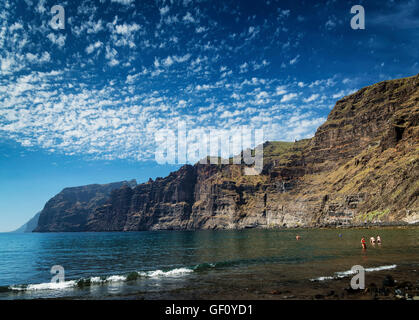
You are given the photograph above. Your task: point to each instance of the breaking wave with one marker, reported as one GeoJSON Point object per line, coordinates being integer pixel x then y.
{"type": "Point", "coordinates": [85, 282]}
{"type": "Point", "coordinates": [343, 274]}
{"type": "Point", "coordinates": [154, 274]}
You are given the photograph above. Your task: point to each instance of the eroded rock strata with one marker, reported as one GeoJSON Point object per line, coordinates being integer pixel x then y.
{"type": "Point", "coordinates": [69, 210]}
{"type": "Point", "coordinates": [361, 166]}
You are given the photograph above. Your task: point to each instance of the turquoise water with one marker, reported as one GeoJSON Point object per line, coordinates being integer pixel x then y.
{"type": "Point", "coordinates": [201, 263]}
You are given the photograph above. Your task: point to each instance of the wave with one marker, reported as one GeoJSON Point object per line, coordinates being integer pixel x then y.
{"type": "Point", "coordinates": [343, 274]}
{"type": "Point", "coordinates": [45, 286]}
{"type": "Point", "coordinates": [170, 273]}
{"type": "Point", "coordinates": [178, 272]}
{"type": "Point", "coordinates": [85, 282]}
{"type": "Point", "coordinates": [153, 274]}
{"type": "Point", "coordinates": [101, 280]}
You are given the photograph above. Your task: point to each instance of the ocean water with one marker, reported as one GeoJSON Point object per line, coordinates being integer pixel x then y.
{"type": "Point", "coordinates": [191, 264]}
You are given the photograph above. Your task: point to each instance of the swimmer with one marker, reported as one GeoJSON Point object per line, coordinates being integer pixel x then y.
{"type": "Point", "coordinates": [298, 237]}
{"type": "Point", "coordinates": [378, 239]}
{"type": "Point", "coordinates": [363, 243]}
{"type": "Point", "coordinates": [372, 240]}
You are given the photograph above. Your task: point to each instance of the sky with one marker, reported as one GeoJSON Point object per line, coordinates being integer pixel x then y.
{"type": "Point", "coordinates": [82, 104]}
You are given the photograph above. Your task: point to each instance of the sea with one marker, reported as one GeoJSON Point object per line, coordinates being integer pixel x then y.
{"type": "Point", "coordinates": [207, 264]}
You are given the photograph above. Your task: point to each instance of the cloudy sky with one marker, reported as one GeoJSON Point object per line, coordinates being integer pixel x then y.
{"type": "Point", "coordinates": [82, 105]}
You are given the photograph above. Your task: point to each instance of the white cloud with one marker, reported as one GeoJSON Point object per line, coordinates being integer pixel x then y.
{"type": "Point", "coordinates": [343, 93]}
{"type": "Point", "coordinates": [34, 58]}
{"type": "Point", "coordinates": [244, 67]}
{"type": "Point", "coordinates": [40, 8]}
{"type": "Point", "coordinates": [295, 60]}
{"type": "Point", "coordinates": [123, 2]}
{"type": "Point", "coordinates": [326, 82]}
{"type": "Point", "coordinates": [281, 90]}
{"type": "Point", "coordinates": [126, 29]}
{"type": "Point", "coordinates": [8, 64]}
{"type": "Point", "coordinates": [93, 46]}
{"type": "Point", "coordinates": [15, 26]}
{"type": "Point", "coordinates": [111, 54]}
{"type": "Point", "coordinates": [201, 29]}
{"type": "Point", "coordinates": [164, 10]}
{"type": "Point", "coordinates": [312, 98]}
{"type": "Point", "coordinates": [58, 40]}
{"type": "Point", "coordinates": [188, 18]}
{"type": "Point", "coordinates": [168, 61]}
{"type": "Point", "coordinates": [162, 72]}
{"type": "Point", "coordinates": [330, 24]}
{"type": "Point", "coordinates": [123, 34]}
{"type": "Point", "coordinates": [94, 27]}
{"type": "Point", "coordinates": [288, 97]}
{"type": "Point", "coordinates": [181, 59]}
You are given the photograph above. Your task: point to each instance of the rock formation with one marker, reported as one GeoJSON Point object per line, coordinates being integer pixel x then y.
{"type": "Point", "coordinates": [69, 210]}
{"type": "Point", "coordinates": [30, 225]}
{"type": "Point", "coordinates": [361, 166]}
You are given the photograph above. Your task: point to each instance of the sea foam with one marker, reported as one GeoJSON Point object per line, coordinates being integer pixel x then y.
{"type": "Point", "coordinates": [343, 274]}
{"type": "Point", "coordinates": [174, 273]}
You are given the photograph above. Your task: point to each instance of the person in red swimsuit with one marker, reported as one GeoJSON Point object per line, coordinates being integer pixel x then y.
{"type": "Point", "coordinates": [363, 243]}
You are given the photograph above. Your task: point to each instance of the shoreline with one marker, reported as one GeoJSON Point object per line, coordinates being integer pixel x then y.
{"type": "Point", "coordinates": [374, 226]}
{"type": "Point", "coordinates": [401, 283]}
{"type": "Point", "coordinates": [320, 227]}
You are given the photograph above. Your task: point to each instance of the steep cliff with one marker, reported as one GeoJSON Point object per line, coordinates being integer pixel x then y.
{"type": "Point", "coordinates": [69, 210]}
{"type": "Point", "coordinates": [361, 166]}
{"type": "Point", "coordinates": [30, 225]}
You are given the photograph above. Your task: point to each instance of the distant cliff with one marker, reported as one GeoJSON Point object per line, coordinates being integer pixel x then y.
{"type": "Point", "coordinates": [70, 209]}
{"type": "Point", "coordinates": [361, 166]}
{"type": "Point", "coordinates": [30, 225]}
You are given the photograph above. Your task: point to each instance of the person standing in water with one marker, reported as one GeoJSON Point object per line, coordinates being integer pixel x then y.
{"type": "Point", "coordinates": [363, 243]}
{"type": "Point", "coordinates": [378, 239]}
{"type": "Point", "coordinates": [372, 240]}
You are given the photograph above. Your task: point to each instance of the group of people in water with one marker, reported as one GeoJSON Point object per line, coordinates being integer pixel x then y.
{"type": "Point", "coordinates": [373, 241]}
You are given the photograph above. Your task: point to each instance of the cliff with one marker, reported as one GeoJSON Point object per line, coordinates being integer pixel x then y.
{"type": "Point", "coordinates": [361, 166]}
{"type": "Point", "coordinates": [70, 209]}
{"type": "Point", "coordinates": [30, 225]}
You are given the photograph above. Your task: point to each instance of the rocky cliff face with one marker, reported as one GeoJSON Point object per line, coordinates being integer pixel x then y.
{"type": "Point", "coordinates": [69, 210]}
{"type": "Point", "coordinates": [30, 225]}
{"type": "Point", "coordinates": [361, 166]}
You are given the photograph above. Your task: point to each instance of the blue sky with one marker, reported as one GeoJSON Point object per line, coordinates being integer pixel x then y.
{"type": "Point", "coordinates": [82, 105]}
